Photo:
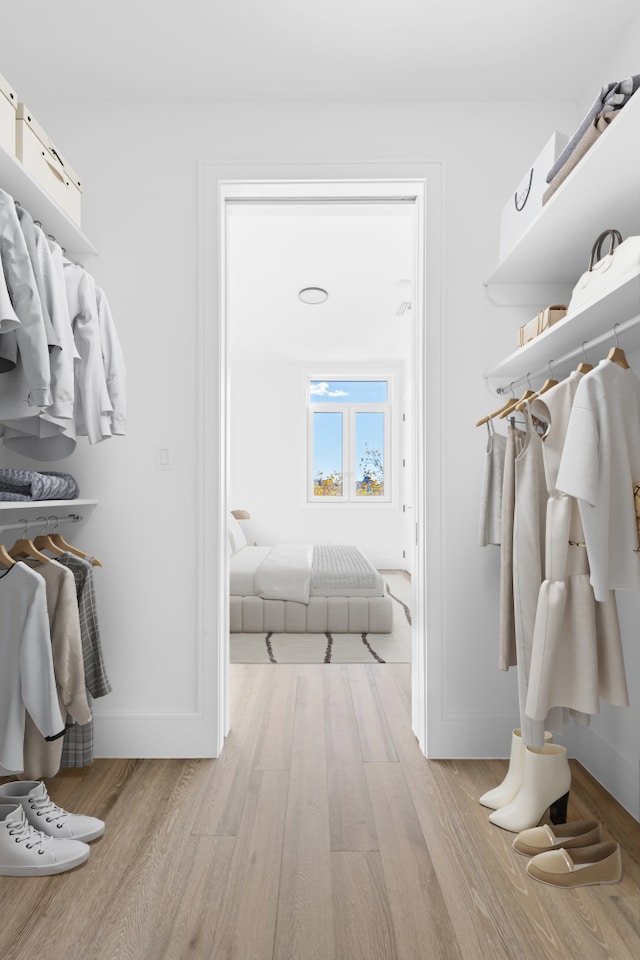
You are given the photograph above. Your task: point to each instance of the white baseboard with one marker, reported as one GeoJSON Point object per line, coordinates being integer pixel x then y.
{"type": "Point", "coordinates": [153, 735]}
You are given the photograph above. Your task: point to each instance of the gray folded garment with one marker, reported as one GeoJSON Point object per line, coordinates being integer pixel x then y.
{"type": "Point", "coordinates": [612, 96]}
{"type": "Point", "coordinates": [20, 485]}
{"type": "Point", "coordinates": [593, 133]}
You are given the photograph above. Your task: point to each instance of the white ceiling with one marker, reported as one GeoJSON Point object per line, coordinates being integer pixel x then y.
{"type": "Point", "coordinates": [362, 50]}
{"type": "Point", "coordinates": [359, 254]}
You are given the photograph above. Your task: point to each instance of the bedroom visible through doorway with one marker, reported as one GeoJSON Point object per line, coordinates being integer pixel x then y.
{"type": "Point", "coordinates": [322, 397]}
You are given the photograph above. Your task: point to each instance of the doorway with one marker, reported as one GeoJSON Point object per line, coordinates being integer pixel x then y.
{"type": "Point", "coordinates": [218, 192]}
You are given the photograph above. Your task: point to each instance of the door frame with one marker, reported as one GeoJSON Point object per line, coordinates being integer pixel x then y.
{"type": "Point", "coordinates": [215, 179]}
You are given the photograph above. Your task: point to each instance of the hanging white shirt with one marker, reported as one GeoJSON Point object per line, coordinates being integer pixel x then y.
{"type": "Point", "coordinates": [92, 405]}
{"type": "Point", "coordinates": [113, 362]}
{"type": "Point", "coordinates": [600, 463]}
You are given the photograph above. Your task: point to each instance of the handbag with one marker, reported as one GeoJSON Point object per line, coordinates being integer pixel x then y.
{"type": "Point", "coordinates": [606, 272]}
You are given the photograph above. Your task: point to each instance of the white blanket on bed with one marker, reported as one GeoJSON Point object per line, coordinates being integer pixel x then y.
{"type": "Point", "coordinates": [285, 574]}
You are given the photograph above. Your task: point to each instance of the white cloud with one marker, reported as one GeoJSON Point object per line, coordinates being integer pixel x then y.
{"type": "Point", "coordinates": [322, 390]}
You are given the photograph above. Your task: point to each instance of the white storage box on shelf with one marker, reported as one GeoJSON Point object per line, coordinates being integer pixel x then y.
{"type": "Point", "coordinates": [525, 203]}
{"type": "Point", "coordinates": [46, 165]}
{"type": "Point", "coordinates": [8, 107]}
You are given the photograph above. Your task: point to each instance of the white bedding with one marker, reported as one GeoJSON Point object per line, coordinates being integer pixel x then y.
{"type": "Point", "coordinates": [284, 572]}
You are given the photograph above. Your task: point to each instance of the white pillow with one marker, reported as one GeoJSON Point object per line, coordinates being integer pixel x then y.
{"type": "Point", "coordinates": [237, 539]}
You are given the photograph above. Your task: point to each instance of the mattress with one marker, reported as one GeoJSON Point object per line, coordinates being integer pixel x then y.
{"type": "Point", "coordinates": [336, 571]}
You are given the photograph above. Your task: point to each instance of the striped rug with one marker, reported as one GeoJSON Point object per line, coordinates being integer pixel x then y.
{"type": "Point", "coordinates": [394, 647]}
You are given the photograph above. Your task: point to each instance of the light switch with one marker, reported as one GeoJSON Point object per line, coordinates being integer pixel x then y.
{"type": "Point", "coordinates": [164, 460]}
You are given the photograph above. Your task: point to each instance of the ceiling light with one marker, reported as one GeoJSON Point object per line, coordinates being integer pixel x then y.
{"type": "Point", "coordinates": [313, 295]}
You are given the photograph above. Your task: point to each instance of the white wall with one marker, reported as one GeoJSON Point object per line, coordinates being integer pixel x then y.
{"type": "Point", "coordinates": [139, 167]}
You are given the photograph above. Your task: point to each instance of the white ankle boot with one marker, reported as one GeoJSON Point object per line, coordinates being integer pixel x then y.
{"type": "Point", "coordinates": [545, 785]}
{"type": "Point", "coordinates": [43, 814]}
{"type": "Point", "coordinates": [26, 852]}
{"type": "Point", "coordinates": [505, 792]}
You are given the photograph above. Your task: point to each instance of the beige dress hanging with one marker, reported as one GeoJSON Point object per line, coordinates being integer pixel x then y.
{"type": "Point", "coordinates": [528, 566]}
{"type": "Point", "coordinates": [490, 526]}
{"type": "Point", "coordinates": [507, 630]}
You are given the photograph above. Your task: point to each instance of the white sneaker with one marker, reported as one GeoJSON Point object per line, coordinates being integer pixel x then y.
{"type": "Point", "coordinates": [43, 814]}
{"type": "Point", "coordinates": [26, 852]}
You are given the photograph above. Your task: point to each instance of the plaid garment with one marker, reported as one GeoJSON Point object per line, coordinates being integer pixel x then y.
{"type": "Point", "coordinates": [77, 750]}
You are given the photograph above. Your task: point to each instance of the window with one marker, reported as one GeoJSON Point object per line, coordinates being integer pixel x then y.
{"type": "Point", "coordinates": [349, 440]}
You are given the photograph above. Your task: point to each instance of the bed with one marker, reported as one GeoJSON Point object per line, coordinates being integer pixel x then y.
{"type": "Point", "coordinates": [304, 588]}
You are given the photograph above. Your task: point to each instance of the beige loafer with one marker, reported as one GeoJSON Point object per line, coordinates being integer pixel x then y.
{"type": "Point", "coordinates": [600, 863]}
{"type": "Point", "coordinates": [580, 833]}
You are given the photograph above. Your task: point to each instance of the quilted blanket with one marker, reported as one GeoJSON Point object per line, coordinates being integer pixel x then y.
{"type": "Point", "coordinates": [341, 566]}
{"type": "Point", "coordinates": [20, 485]}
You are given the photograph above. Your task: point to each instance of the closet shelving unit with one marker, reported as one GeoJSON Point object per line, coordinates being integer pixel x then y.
{"type": "Point", "coordinates": [543, 266]}
{"type": "Point", "coordinates": [18, 182]}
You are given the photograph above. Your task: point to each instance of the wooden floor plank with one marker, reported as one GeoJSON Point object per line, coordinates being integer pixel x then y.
{"type": "Point", "coordinates": [376, 742]}
{"type": "Point", "coordinates": [250, 895]}
{"type": "Point", "coordinates": [362, 918]}
{"type": "Point", "coordinates": [421, 921]}
{"type": "Point", "coordinates": [350, 815]}
{"type": "Point", "coordinates": [218, 808]}
{"type": "Point", "coordinates": [275, 733]}
{"type": "Point", "coordinates": [198, 917]}
{"type": "Point", "coordinates": [304, 925]}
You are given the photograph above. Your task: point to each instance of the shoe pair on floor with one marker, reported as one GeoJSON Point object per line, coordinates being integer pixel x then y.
{"type": "Point", "coordinates": [538, 779]}
{"type": "Point", "coordinates": [570, 855]}
{"type": "Point", "coordinates": [37, 837]}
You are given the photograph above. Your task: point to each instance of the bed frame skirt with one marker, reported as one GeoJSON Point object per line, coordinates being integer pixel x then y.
{"type": "Point", "coordinates": [320, 615]}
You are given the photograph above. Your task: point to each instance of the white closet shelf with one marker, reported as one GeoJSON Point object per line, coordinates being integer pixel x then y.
{"type": "Point", "coordinates": [603, 191]}
{"type": "Point", "coordinates": [561, 344]}
{"type": "Point", "coordinates": [15, 508]}
{"type": "Point", "coordinates": [18, 182]}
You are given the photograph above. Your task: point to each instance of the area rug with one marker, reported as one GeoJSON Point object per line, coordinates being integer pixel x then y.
{"type": "Point", "coordinates": [392, 647]}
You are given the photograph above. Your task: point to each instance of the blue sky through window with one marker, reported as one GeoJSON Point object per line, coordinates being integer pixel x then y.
{"type": "Point", "coordinates": [348, 391]}
{"type": "Point", "coordinates": [328, 427]}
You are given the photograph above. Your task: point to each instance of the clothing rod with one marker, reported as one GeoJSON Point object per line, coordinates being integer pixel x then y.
{"type": "Point", "coordinates": [613, 333]}
{"type": "Point", "coordinates": [40, 522]}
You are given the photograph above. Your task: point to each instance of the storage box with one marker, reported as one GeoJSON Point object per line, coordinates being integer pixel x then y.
{"type": "Point", "coordinates": [546, 318]}
{"type": "Point", "coordinates": [47, 165]}
{"type": "Point", "coordinates": [525, 203]}
{"type": "Point", "coordinates": [8, 106]}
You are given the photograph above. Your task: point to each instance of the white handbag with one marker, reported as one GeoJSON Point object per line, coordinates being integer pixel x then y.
{"type": "Point", "coordinates": [607, 272]}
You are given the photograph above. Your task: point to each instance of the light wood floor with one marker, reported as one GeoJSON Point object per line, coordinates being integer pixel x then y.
{"type": "Point", "coordinates": [320, 833]}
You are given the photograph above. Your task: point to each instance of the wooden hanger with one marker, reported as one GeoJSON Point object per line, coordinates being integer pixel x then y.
{"type": "Point", "coordinates": [616, 354]}
{"type": "Point", "coordinates": [60, 545]}
{"type": "Point", "coordinates": [45, 542]}
{"type": "Point", "coordinates": [583, 366]}
{"type": "Point", "coordinates": [496, 413]}
{"type": "Point", "coordinates": [26, 548]}
{"type": "Point", "coordinates": [518, 400]}
{"type": "Point", "coordinates": [549, 382]}
{"type": "Point", "coordinates": [5, 557]}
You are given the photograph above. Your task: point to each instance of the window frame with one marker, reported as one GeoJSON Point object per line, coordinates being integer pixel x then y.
{"type": "Point", "coordinates": [349, 412]}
